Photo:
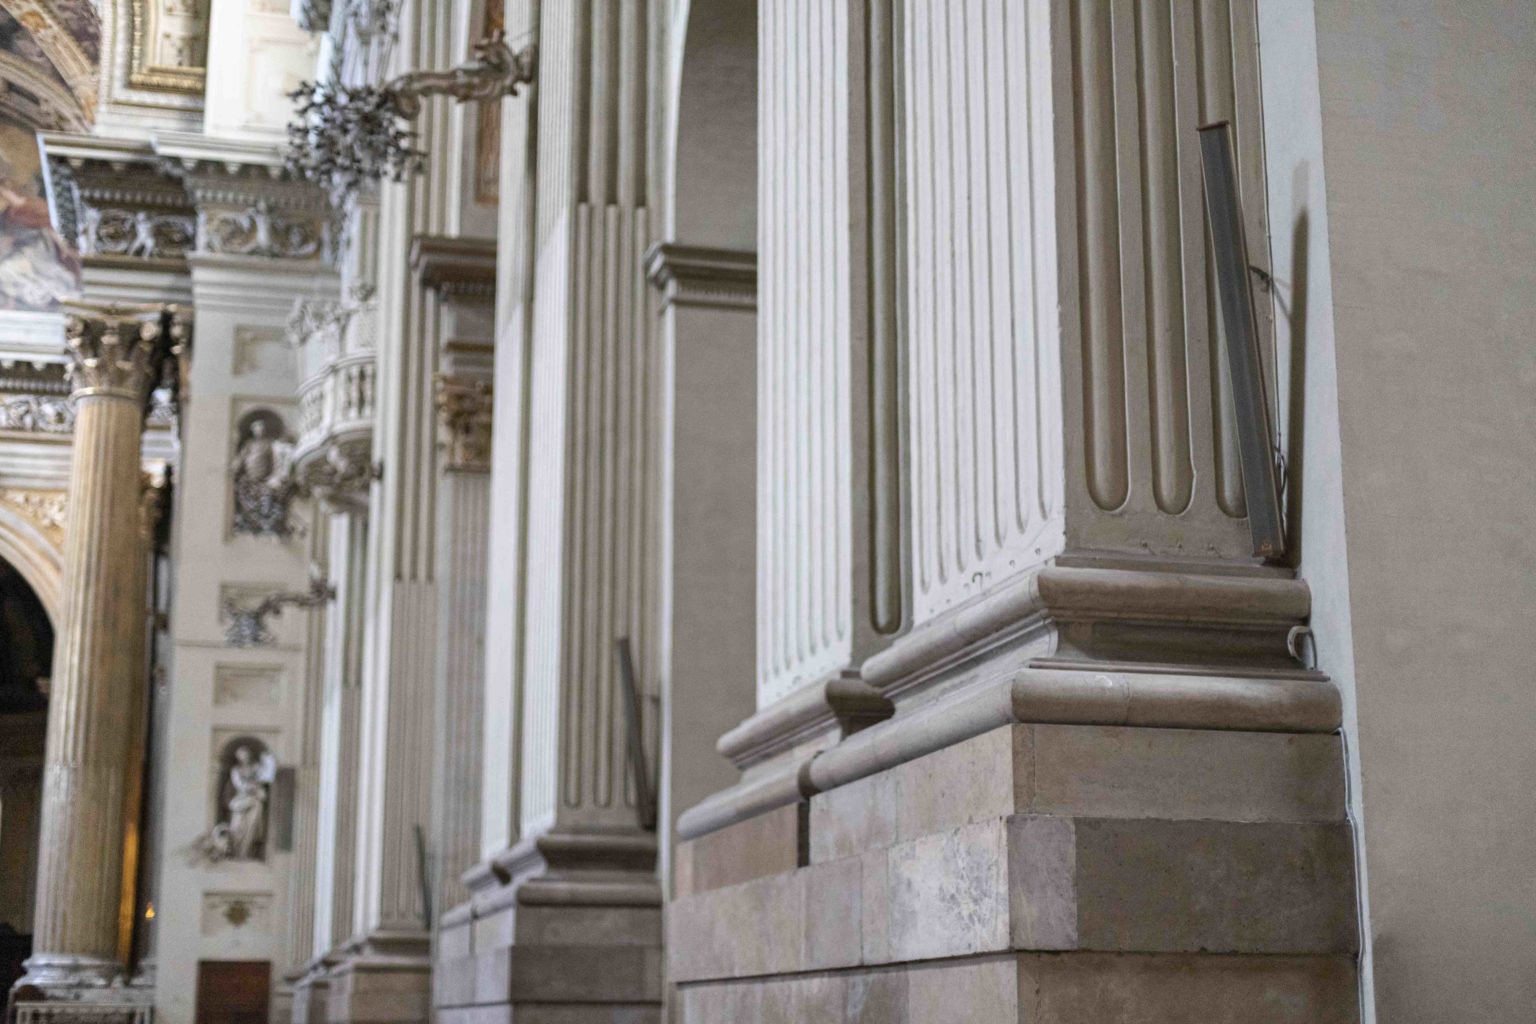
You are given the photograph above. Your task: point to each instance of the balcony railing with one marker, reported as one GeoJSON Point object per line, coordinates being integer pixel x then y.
{"type": "Point", "coordinates": [336, 399]}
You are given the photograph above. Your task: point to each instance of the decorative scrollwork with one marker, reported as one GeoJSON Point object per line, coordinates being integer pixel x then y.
{"type": "Point", "coordinates": [37, 414]}
{"type": "Point", "coordinates": [109, 231]}
{"type": "Point", "coordinates": [246, 625]}
{"type": "Point", "coordinates": [259, 232]}
{"type": "Point", "coordinates": [347, 136]}
{"type": "Point", "coordinates": [496, 72]}
{"type": "Point", "coordinates": [344, 137]}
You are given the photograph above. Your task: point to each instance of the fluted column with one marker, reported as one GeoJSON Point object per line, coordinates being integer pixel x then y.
{"type": "Point", "coordinates": [95, 709]}
{"type": "Point", "coordinates": [336, 843]}
{"type": "Point", "coordinates": [389, 947]}
{"type": "Point", "coordinates": [463, 504]}
{"type": "Point", "coordinates": [306, 815]}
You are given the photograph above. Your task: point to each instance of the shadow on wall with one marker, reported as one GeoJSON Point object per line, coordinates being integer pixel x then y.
{"type": "Point", "coordinates": [1296, 425]}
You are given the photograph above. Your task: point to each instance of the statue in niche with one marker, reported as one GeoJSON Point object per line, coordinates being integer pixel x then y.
{"type": "Point", "coordinates": [263, 472]}
{"type": "Point", "coordinates": [247, 769]}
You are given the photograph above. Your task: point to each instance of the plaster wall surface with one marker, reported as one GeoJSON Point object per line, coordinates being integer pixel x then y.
{"type": "Point", "coordinates": [1428, 130]}
{"type": "Point", "coordinates": [217, 692]}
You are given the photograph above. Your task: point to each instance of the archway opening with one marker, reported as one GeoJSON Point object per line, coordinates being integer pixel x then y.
{"type": "Point", "coordinates": [26, 664]}
{"type": "Point", "coordinates": [710, 326]}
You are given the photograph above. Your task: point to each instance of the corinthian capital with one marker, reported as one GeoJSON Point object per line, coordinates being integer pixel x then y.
{"type": "Point", "coordinates": [119, 350]}
{"type": "Point", "coordinates": [464, 422]}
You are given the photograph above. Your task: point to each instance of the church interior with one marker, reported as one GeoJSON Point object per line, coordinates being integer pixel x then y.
{"type": "Point", "coordinates": [767, 511]}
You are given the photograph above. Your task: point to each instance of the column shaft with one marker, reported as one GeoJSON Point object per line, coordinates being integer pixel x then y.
{"type": "Point", "coordinates": [463, 527]}
{"type": "Point", "coordinates": [95, 709]}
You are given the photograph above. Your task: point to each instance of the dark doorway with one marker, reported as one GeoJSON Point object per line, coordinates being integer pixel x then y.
{"type": "Point", "coordinates": [233, 991]}
{"type": "Point", "coordinates": [26, 662]}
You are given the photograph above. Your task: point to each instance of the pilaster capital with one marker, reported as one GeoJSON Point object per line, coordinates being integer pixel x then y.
{"type": "Point", "coordinates": [458, 269]}
{"type": "Point", "coordinates": [117, 351]}
{"type": "Point", "coordinates": [464, 422]}
{"type": "Point", "coordinates": [691, 275]}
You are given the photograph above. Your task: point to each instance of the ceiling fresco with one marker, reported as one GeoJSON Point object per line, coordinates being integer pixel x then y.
{"type": "Point", "coordinates": [49, 51]}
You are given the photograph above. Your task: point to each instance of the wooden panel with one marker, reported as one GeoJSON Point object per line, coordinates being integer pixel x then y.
{"type": "Point", "coordinates": [233, 991]}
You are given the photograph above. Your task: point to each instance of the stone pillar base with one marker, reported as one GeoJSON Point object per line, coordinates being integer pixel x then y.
{"type": "Point", "coordinates": [70, 976]}
{"type": "Point", "coordinates": [1036, 872]}
{"type": "Point", "coordinates": [572, 935]}
{"type": "Point", "coordinates": [309, 998]}
{"type": "Point", "coordinates": [381, 982]}
{"type": "Point", "coordinates": [1073, 988]}
{"type": "Point", "coordinates": [88, 990]}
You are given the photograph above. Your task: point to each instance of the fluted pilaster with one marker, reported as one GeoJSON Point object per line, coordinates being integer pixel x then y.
{"type": "Point", "coordinates": [336, 838]}
{"type": "Point", "coordinates": [463, 502]}
{"type": "Point", "coordinates": [594, 405]}
{"type": "Point", "coordinates": [96, 707]}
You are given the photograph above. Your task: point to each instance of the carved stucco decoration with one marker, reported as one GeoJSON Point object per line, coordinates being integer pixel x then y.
{"type": "Point", "coordinates": [245, 625]}
{"type": "Point", "coordinates": [318, 322]}
{"type": "Point", "coordinates": [464, 418]}
{"type": "Point", "coordinates": [37, 414]}
{"type": "Point", "coordinates": [168, 47]}
{"type": "Point", "coordinates": [47, 510]}
{"type": "Point", "coordinates": [259, 231]}
{"type": "Point", "coordinates": [117, 350]}
{"type": "Point", "coordinates": [109, 231]}
{"type": "Point", "coordinates": [145, 204]}
{"type": "Point", "coordinates": [69, 35]}
{"type": "Point", "coordinates": [349, 136]}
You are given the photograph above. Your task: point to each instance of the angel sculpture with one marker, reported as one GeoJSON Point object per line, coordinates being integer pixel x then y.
{"type": "Point", "coordinates": [241, 831]}
{"type": "Point", "coordinates": [246, 800]}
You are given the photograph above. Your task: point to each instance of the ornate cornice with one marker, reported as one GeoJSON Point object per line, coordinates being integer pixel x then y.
{"type": "Point", "coordinates": [21, 377]}
{"type": "Point", "coordinates": [157, 26]}
{"type": "Point", "coordinates": [689, 275]}
{"type": "Point", "coordinates": [126, 202]}
{"type": "Point", "coordinates": [458, 269]}
{"type": "Point", "coordinates": [464, 421]}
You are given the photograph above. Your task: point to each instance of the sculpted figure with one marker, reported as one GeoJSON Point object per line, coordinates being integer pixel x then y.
{"type": "Point", "coordinates": [263, 476]}
{"type": "Point", "coordinates": [247, 803]}
{"type": "Point", "coordinates": [144, 243]}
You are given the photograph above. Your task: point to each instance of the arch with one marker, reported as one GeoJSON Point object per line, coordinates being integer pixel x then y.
{"type": "Point", "coordinates": [35, 555]}
{"type": "Point", "coordinates": [709, 334]}
{"type": "Point", "coordinates": [712, 136]}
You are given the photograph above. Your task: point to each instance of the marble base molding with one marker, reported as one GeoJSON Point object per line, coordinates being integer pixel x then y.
{"type": "Point", "coordinates": [563, 926]}
{"type": "Point", "coordinates": [1036, 872]}
{"type": "Point", "coordinates": [1170, 647]}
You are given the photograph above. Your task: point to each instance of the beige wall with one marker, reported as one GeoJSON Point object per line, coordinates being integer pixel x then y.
{"type": "Point", "coordinates": [1419, 286]}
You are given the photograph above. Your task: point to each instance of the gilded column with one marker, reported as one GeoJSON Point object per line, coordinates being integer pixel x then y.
{"type": "Point", "coordinates": [96, 703]}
